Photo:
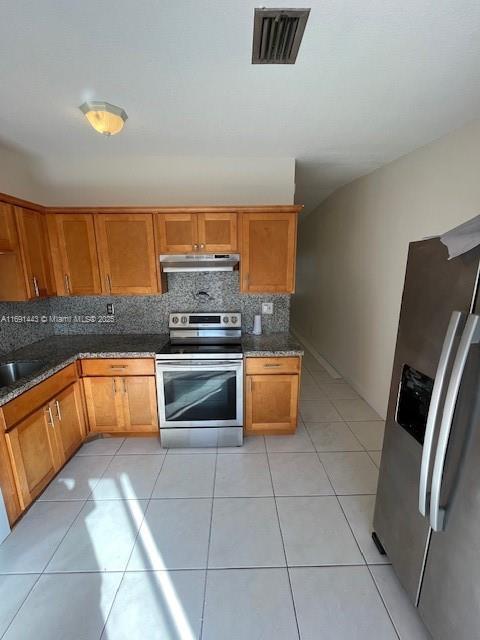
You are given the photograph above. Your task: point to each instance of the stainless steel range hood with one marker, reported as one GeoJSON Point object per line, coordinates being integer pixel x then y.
{"type": "Point", "coordinates": [193, 263]}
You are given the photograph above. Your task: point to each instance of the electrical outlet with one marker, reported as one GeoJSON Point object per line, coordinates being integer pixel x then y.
{"type": "Point", "coordinates": [110, 309]}
{"type": "Point", "coordinates": [267, 308]}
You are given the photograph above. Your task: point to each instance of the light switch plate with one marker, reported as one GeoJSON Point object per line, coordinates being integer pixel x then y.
{"type": "Point", "coordinates": [267, 308]}
{"type": "Point", "coordinates": [110, 309]}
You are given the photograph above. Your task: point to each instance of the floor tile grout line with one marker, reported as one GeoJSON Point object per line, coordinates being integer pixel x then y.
{"type": "Point", "coordinates": [384, 602]}
{"type": "Point", "coordinates": [133, 547]}
{"type": "Point", "coordinates": [21, 604]}
{"type": "Point", "coordinates": [200, 635]}
{"type": "Point", "coordinates": [284, 548]}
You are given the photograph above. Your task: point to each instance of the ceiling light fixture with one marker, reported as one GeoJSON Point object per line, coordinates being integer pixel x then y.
{"type": "Point", "coordinates": [104, 117]}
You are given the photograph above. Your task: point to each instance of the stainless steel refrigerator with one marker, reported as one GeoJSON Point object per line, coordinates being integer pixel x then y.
{"type": "Point", "coordinates": [427, 513]}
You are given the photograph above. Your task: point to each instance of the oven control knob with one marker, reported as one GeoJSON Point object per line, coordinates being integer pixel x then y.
{"type": "Point", "coordinates": [184, 319]}
{"type": "Point", "coordinates": [225, 320]}
{"type": "Point", "coordinates": [234, 319]}
{"type": "Point", "coordinates": [175, 319]}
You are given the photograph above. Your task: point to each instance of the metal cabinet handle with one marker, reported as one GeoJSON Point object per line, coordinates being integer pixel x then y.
{"type": "Point", "coordinates": [59, 413]}
{"type": "Point", "coordinates": [124, 386]}
{"type": "Point", "coordinates": [114, 385]}
{"type": "Point", "coordinates": [109, 283]}
{"type": "Point", "coordinates": [67, 284]}
{"type": "Point", "coordinates": [195, 246]}
{"type": "Point", "coordinates": [49, 412]}
{"type": "Point", "coordinates": [453, 326]}
{"type": "Point", "coordinates": [270, 366]}
{"type": "Point", "coordinates": [35, 287]}
{"type": "Point", "coordinates": [119, 366]}
{"type": "Point", "coordinates": [202, 246]}
{"type": "Point", "coordinates": [470, 335]}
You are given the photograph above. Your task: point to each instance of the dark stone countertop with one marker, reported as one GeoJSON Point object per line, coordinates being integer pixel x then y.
{"type": "Point", "coordinates": [274, 344]}
{"type": "Point", "coordinates": [58, 351]}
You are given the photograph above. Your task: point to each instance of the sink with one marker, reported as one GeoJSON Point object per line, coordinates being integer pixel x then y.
{"type": "Point", "coordinates": [11, 372]}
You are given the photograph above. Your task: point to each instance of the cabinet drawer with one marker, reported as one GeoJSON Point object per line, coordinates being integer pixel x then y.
{"type": "Point", "coordinates": [118, 367]}
{"type": "Point", "coordinates": [32, 399]}
{"type": "Point", "coordinates": [272, 365]}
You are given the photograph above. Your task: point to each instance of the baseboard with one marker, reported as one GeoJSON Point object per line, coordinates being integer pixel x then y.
{"type": "Point", "coordinates": [319, 358]}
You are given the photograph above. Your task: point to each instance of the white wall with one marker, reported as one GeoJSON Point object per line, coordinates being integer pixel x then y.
{"type": "Point", "coordinates": [18, 174]}
{"type": "Point", "coordinates": [155, 180]}
{"type": "Point", "coordinates": [353, 248]}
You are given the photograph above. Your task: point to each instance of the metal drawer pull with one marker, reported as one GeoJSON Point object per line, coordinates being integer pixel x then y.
{"type": "Point", "coordinates": [67, 284]}
{"type": "Point", "coordinates": [35, 287]}
{"type": "Point", "coordinates": [59, 413]}
{"type": "Point", "coordinates": [272, 365]}
{"type": "Point", "coordinates": [119, 366]}
{"type": "Point", "coordinates": [109, 283]}
{"type": "Point", "coordinates": [49, 411]}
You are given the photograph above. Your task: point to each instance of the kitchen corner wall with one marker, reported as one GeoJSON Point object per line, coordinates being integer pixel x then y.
{"type": "Point", "coordinates": [352, 254]}
{"type": "Point", "coordinates": [141, 314]}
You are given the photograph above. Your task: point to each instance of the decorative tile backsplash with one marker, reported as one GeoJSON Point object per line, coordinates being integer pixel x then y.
{"type": "Point", "coordinates": [141, 314]}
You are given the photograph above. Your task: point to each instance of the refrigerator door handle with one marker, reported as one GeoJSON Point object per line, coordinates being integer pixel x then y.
{"type": "Point", "coordinates": [470, 335]}
{"type": "Point", "coordinates": [446, 354]}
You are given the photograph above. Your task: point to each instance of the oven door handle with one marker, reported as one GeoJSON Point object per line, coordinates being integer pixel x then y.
{"type": "Point", "coordinates": [188, 364]}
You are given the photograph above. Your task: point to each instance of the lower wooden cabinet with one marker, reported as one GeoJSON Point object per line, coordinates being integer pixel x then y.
{"type": "Point", "coordinates": [121, 404]}
{"type": "Point", "coordinates": [41, 443]}
{"type": "Point", "coordinates": [271, 399]}
{"type": "Point", "coordinates": [69, 421]}
{"type": "Point", "coordinates": [32, 449]}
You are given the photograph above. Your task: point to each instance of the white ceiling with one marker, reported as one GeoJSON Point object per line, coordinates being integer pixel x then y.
{"type": "Point", "coordinates": [374, 79]}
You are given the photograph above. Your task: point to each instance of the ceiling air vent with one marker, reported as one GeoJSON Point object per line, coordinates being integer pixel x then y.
{"type": "Point", "coordinates": [277, 34]}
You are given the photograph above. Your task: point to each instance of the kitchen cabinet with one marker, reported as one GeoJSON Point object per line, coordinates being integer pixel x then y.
{"type": "Point", "coordinates": [8, 232]}
{"type": "Point", "coordinates": [69, 421]}
{"type": "Point", "coordinates": [271, 395]}
{"type": "Point", "coordinates": [12, 282]}
{"type": "Point", "coordinates": [209, 232]}
{"type": "Point", "coordinates": [126, 252]}
{"type": "Point", "coordinates": [120, 403]}
{"type": "Point", "coordinates": [268, 252]}
{"type": "Point", "coordinates": [32, 449]}
{"type": "Point", "coordinates": [176, 232]}
{"type": "Point", "coordinates": [34, 248]}
{"type": "Point", "coordinates": [40, 430]}
{"type": "Point", "coordinates": [74, 254]}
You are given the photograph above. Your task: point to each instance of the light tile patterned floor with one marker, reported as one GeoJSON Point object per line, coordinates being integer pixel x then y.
{"type": "Point", "coordinates": [269, 541]}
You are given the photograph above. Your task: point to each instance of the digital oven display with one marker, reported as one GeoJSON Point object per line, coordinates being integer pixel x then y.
{"type": "Point", "coordinates": [205, 319]}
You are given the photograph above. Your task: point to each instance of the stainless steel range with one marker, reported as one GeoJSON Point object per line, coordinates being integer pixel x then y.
{"type": "Point", "coordinates": [200, 381]}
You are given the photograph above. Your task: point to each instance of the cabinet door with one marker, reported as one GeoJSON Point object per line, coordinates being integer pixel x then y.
{"type": "Point", "coordinates": [217, 232]}
{"type": "Point", "coordinates": [126, 251]}
{"type": "Point", "coordinates": [72, 238]}
{"type": "Point", "coordinates": [8, 232]}
{"type": "Point", "coordinates": [177, 232]}
{"type": "Point", "coordinates": [104, 404]}
{"type": "Point", "coordinates": [271, 404]}
{"type": "Point", "coordinates": [32, 450]}
{"type": "Point", "coordinates": [140, 403]}
{"type": "Point", "coordinates": [268, 248]}
{"type": "Point", "coordinates": [69, 419]}
{"type": "Point", "coordinates": [33, 244]}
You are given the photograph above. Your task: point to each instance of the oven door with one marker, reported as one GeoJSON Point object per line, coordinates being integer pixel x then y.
{"type": "Point", "coordinates": [200, 393]}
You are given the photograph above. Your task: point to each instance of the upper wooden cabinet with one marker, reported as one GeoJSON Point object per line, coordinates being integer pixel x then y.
{"type": "Point", "coordinates": [191, 232]}
{"type": "Point", "coordinates": [74, 254]}
{"type": "Point", "coordinates": [268, 252]}
{"type": "Point", "coordinates": [8, 232]}
{"type": "Point", "coordinates": [12, 280]}
{"type": "Point", "coordinates": [176, 232]}
{"type": "Point", "coordinates": [217, 232]}
{"type": "Point", "coordinates": [126, 252]}
{"type": "Point", "coordinates": [32, 232]}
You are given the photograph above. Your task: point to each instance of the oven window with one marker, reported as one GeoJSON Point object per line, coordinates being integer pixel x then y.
{"type": "Point", "coordinates": [200, 395]}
